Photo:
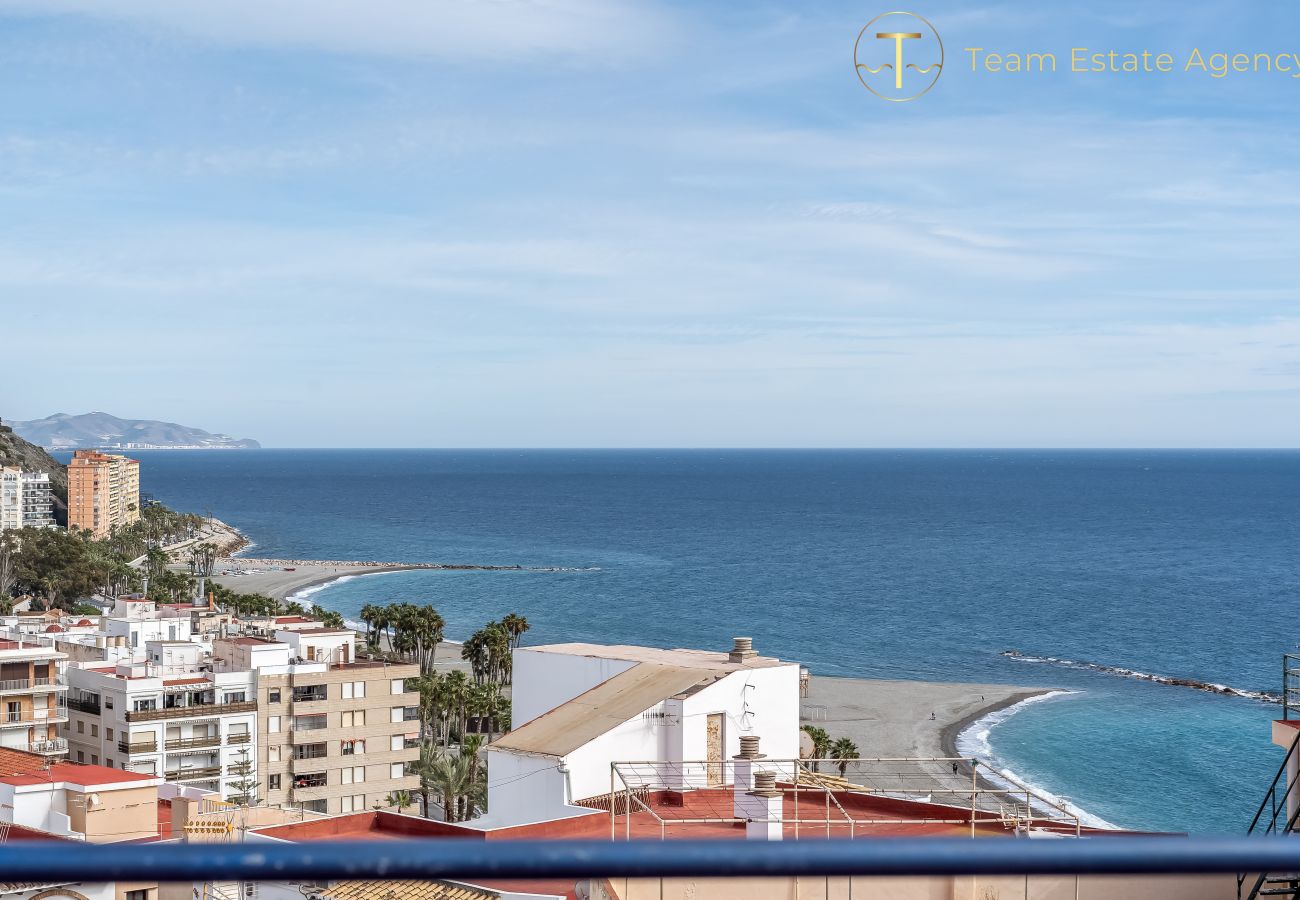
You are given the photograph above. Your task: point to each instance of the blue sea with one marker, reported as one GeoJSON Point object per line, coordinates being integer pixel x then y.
{"type": "Point", "coordinates": [892, 564]}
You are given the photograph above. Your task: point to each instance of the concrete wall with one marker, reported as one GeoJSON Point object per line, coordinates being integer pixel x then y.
{"type": "Point", "coordinates": [542, 681]}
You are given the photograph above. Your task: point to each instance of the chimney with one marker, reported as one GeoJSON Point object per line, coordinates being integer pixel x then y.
{"type": "Point", "coordinates": [763, 808]}
{"type": "Point", "coordinates": [742, 649]}
{"type": "Point", "coordinates": [743, 766]}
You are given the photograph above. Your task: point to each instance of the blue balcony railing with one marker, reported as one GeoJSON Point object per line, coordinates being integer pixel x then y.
{"type": "Point", "coordinates": [467, 860]}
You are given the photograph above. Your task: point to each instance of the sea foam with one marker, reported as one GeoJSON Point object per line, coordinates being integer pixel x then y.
{"type": "Point", "coordinates": [973, 741]}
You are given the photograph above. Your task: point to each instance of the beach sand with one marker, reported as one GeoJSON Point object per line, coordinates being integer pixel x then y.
{"type": "Point", "coordinates": [892, 718]}
{"type": "Point", "coordinates": [275, 582]}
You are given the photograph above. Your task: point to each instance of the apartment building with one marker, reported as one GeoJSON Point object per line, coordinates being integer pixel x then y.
{"type": "Point", "coordinates": [34, 698]}
{"type": "Point", "coordinates": [166, 714]}
{"type": "Point", "coordinates": [334, 734]}
{"type": "Point", "coordinates": [103, 491]}
{"type": "Point", "coordinates": [26, 500]}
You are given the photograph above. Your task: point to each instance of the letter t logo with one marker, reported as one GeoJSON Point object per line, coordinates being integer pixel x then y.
{"type": "Point", "coordinates": [898, 37]}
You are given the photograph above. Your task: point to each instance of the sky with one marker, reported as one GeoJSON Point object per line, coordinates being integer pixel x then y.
{"type": "Point", "coordinates": [616, 223]}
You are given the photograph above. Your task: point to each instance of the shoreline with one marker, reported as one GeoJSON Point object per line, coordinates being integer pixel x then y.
{"type": "Point", "coordinates": [894, 709]}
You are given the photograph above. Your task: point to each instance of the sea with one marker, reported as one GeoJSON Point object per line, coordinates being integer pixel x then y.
{"type": "Point", "coordinates": [1098, 568]}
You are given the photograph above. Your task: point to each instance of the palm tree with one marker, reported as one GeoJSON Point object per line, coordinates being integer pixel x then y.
{"type": "Point", "coordinates": [821, 745]}
{"type": "Point", "coordinates": [400, 799]}
{"type": "Point", "coordinates": [426, 768]}
{"type": "Point", "coordinates": [456, 688]}
{"type": "Point", "coordinates": [844, 751]}
{"type": "Point", "coordinates": [515, 626]}
{"type": "Point", "coordinates": [430, 687]}
{"type": "Point", "coordinates": [450, 777]}
{"type": "Point", "coordinates": [470, 745]}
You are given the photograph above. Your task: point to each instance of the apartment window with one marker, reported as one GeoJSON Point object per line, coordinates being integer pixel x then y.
{"type": "Point", "coordinates": [273, 696]}
{"type": "Point", "coordinates": [354, 774]}
{"type": "Point", "coordinates": [397, 742]}
{"type": "Point", "coordinates": [81, 727]}
{"type": "Point", "coordinates": [108, 733]}
{"type": "Point", "coordinates": [236, 697]}
{"type": "Point", "coordinates": [94, 730]}
{"type": "Point", "coordinates": [109, 762]}
{"type": "Point", "coordinates": [136, 895]}
{"type": "Point", "coordinates": [272, 724]}
{"type": "Point", "coordinates": [397, 713]}
{"type": "Point", "coordinates": [310, 693]}
{"type": "Point", "coordinates": [397, 686]}
{"type": "Point", "coordinates": [273, 782]}
{"type": "Point", "coordinates": [94, 759]}
{"type": "Point", "coordinates": [273, 753]}
{"type": "Point", "coordinates": [142, 705]}
{"type": "Point", "coordinates": [354, 719]}
{"type": "Point", "coordinates": [354, 748]}
{"type": "Point", "coordinates": [81, 756]}
{"type": "Point", "coordinates": [354, 690]}
{"type": "Point", "coordinates": [396, 770]}
{"type": "Point", "coordinates": [353, 803]}
{"type": "Point", "coordinates": [108, 703]}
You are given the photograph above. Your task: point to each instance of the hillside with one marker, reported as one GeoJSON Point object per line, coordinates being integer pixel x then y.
{"type": "Point", "coordinates": [14, 451]}
{"type": "Point", "coordinates": [99, 429]}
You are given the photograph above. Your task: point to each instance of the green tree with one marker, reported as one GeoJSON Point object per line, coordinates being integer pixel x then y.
{"type": "Point", "coordinates": [821, 745]}
{"type": "Point", "coordinates": [244, 785]}
{"type": "Point", "coordinates": [400, 799]}
{"type": "Point", "coordinates": [844, 751]}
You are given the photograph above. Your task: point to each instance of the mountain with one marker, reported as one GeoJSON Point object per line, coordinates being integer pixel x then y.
{"type": "Point", "coordinates": [14, 451]}
{"type": "Point", "coordinates": [100, 430]}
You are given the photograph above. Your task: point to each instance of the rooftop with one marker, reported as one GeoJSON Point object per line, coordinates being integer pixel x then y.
{"type": "Point", "coordinates": [700, 659]}
{"type": "Point", "coordinates": [77, 774]}
{"type": "Point", "coordinates": [606, 706]}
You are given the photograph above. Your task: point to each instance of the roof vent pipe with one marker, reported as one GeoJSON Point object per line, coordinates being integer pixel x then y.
{"type": "Point", "coordinates": [742, 648]}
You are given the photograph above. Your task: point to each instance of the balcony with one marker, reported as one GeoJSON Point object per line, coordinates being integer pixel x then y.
{"type": "Point", "coordinates": [34, 716]}
{"type": "Point", "coordinates": [196, 774]}
{"type": "Point", "coordinates": [31, 685]}
{"type": "Point", "coordinates": [191, 743]}
{"type": "Point", "coordinates": [237, 738]}
{"type": "Point", "coordinates": [313, 694]}
{"type": "Point", "coordinates": [137, 747]}
{"type": "Point", "coordinates": [308, 723]}
{"type": "Point", "coordinates": [84, 704]}
{"type": "Point", "coordinates": [196, 711]}
{"type": "Point", "coordinates": [57, 747]}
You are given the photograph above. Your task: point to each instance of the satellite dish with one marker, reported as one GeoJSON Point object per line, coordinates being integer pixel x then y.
{"type": "Point", "coordinates": [95, 801]}
{"type": "Point", "coordinates": [806, 746]}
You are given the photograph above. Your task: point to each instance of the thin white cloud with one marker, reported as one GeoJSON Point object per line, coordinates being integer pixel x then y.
{"type": "Point", "coordinates": [506, 31]}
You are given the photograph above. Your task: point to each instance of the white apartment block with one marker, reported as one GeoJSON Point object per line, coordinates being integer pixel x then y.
{"type": "Point", "coordinates": [26, 500]}
{"type": "Point", "coordinates": [166, 714]}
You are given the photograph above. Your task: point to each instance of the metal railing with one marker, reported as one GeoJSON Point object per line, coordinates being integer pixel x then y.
{"type": "Point", "coordinates": [58, 745]}
{"type": "Point", "coordinates": [27, 684]}
{"type": "Point", "coordinates": [1290, 684]}
{"type": "Point", "coordinates": [838, 797]}
{"type": "Point", "coordinates": [313, 862]}
{"type": "Point", "coordinates": [189, 743]}
{"type": "Point", "coordinates": [191, 712]}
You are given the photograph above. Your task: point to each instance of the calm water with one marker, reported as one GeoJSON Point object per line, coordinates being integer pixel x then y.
{"type": "Point", "coordinates": [897, 564]}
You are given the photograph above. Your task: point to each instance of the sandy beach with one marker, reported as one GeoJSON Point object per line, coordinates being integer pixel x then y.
{"type": "Point", "coordinates": [270, 578]}
{"type": "Point", "coordinates": [892, 718]}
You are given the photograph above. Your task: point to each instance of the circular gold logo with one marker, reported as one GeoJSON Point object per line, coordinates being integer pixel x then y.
{"type": "Point", "coordinates": [898, 56]}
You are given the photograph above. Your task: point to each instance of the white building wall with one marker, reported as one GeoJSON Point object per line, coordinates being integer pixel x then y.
{"type": "Point", "coordinates": [523, 789]}
{"type": "Point", "coordinates": [763, 701]}
{"type": "Point", "coordinates": [542, 681]}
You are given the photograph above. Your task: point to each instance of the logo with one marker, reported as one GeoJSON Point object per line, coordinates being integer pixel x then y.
{"type": "Point", "coordinates": [882, 48]}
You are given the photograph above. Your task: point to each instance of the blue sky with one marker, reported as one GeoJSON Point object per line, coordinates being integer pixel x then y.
{"type": "Point", "coordinates": [624, 223]}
